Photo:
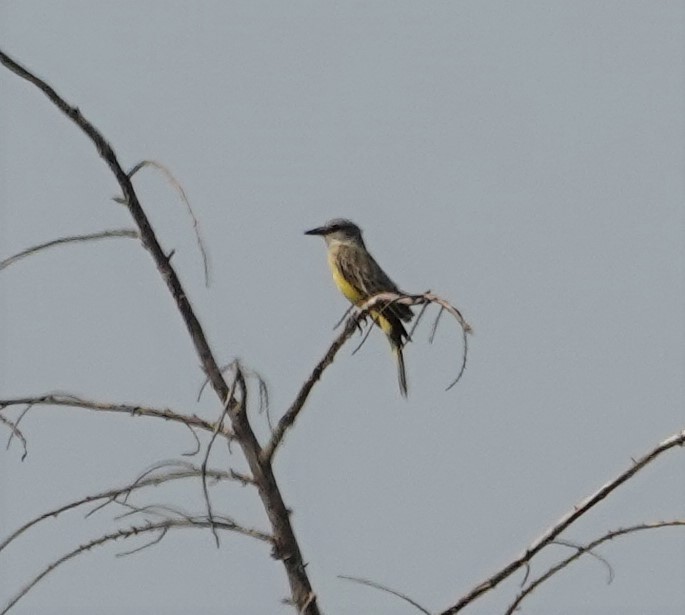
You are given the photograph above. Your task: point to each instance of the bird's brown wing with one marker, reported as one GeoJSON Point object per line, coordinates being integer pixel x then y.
{"type": "Point", "coordinates": [361, 270]}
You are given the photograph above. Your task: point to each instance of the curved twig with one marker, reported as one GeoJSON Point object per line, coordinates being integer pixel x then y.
{"type": "Point", "coordinates": [130, 233]}
{"type": "Point", "coordinates": [182, 193]}
{"type": "Point", "coordinates": [387, 590]}
{"type": "Point", "coordinates": [422, 299]}
{"type": "Point", "coordinates": [198, 445]}
{"type": "Point", "coordinates": [111, 495]}
{"type": "Point", "coordinates": [597, 556]}
{"type": "Point", "coordinates": [205, 489]}
{"type": "Point", "coordinates": [583, 549]}
{"type": "Point", "coordinates": [161, 526]}
{"type": "Point", "coordinates": [677, 439]}
{"type": "Point", "coordinates": [14, 431]}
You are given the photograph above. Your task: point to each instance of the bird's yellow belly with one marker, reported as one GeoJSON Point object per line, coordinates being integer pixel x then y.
{"type": "Point", "coordinates": [343, 285]}
{"type": "Point", "coordinates": [353, 295]}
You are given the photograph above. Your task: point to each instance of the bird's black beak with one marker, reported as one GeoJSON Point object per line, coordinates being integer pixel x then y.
{"type": "Point", "coordinates": [319, 230]}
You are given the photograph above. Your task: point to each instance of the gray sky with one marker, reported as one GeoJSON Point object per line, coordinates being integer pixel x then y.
{"type": "Point", "coordinates": [522, 159]}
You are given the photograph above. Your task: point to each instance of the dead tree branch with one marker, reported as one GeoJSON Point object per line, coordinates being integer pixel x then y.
{"type": "Point", "coordinates": [113, 495]}
{"type": "Point", "coordinates": [161, 526]}
{"type": "Point", "coordinates": [587, 549]}
{"type": "Point", "coordinates": [548, 537]}
{"type": "Point", "coordinates": [286, 547]}
{"type": "Point", "coordinates": [73, 401]}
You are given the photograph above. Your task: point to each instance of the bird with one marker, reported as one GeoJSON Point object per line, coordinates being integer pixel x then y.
{"type": "Point", "coordinates": [359, 277]}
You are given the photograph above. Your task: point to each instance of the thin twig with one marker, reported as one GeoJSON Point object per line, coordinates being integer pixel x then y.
{"type": "Point", "coordinates": [131, 532]}
{"type": "Point", "coordinates": [387, 590]}
{"type": "Point", "coordinates": [73, 401]}
{"type": "Point", "coordinates": [434, 328]}
{"type": "Point", "coordinates": [588, 548]}
{"type": "Point", "coordinates": [14, 431]}
{"type": "Point", "coordinates": [24, 412]}
{"type": "Point", "coordinates": [549, 535]}
{"type": "Point", "coordinates": [182, 193]}
{"type": "Point", "coordinates": [111, 495]}
{"type": "Point", "coordinates": [344, 316]}
{"type": "Point", "coordinates": [418, 319]}
{"type": "Point", "coordinates": [198, 446]}
{"type": "Point", "coordinates": [597, 556]}
{"type": "Point", "coordinates": [366, 335]}
{"type": "Point", "coordinates": [205, 461]}
{"type": "Point", "coordinates": [152, 543]}
{"type": "Point", "coordinates": [130, 233]}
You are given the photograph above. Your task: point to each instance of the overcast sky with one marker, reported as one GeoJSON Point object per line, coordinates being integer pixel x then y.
{"type": "Point", "coordinates": [525, 160]}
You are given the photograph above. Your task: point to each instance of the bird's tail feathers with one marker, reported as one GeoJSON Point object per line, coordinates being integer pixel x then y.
{"type": "Point", "coordinates": [401, 371]}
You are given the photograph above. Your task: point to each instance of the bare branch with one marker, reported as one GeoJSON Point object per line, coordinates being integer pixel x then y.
{"type": "Point", "coordinates": [677, 439]}
{"type": "Point", "coordinates": [288, 419]}
{"type": "Point", "coordinates": [111, 495]}
{"type": "Point", "coordinates": [130, 233]}
{"type": "Point", "coordinates": [386, 589]}
{"type": "Point", "coordinates": [286, 547]}
{"type": "Point", "coordinates": [138, 530]}
{"type": "Point", "coordinates": [182, 193]}
{"type": "Point", "coordinates": [588, 548]}
{"type": "Point", "coordinates": [73, 401]}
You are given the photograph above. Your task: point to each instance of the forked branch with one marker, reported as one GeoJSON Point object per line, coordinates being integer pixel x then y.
{"type": "Point", "coordinates": [548, 537]}
{"type": "Point", "coordinates": [351, 325]}
{"type": "Point", "coordinates": [587, 549]}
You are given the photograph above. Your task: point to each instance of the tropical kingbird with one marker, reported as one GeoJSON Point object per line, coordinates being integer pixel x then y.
{"type": "Point", "coordinates": [359, 277]}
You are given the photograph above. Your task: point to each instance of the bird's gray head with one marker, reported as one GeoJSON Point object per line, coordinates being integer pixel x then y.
{"type": "Point", "coordinates": [339, 230]}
